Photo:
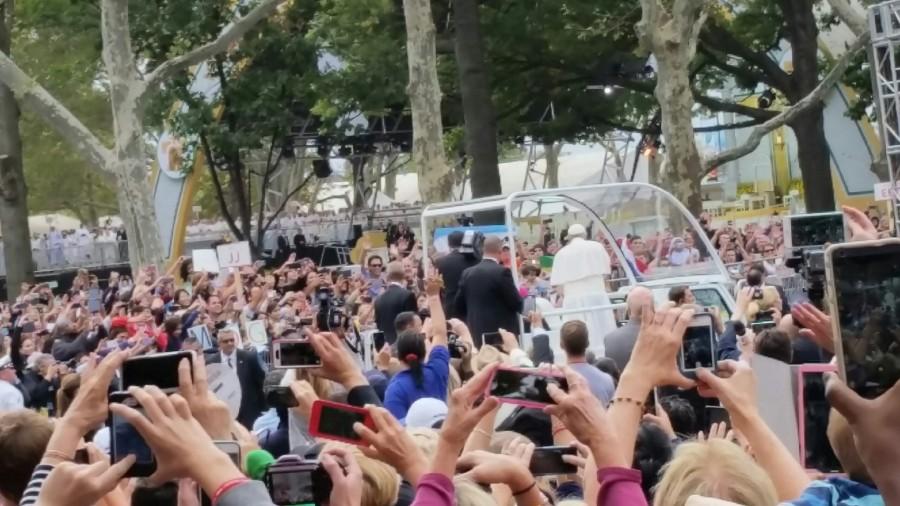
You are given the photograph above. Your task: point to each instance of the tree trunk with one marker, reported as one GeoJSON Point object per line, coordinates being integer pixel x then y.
{"type": "Point", "coordinates": [815, 161]}
{"type": "Point", "coordinates": [13, 193]}
{"type": "Point", "coordinates": [551, 157]}
{"type": "Point", "coordinates": [809, 127]}
{"type": "Point", "coordinates": [672, 37]}
{"type": "Point", "coordinates": [435, 179]}
{"type": "Point", "coordinates": [129, 162]}
{"type": "Point", "coordinates": [478, 108]}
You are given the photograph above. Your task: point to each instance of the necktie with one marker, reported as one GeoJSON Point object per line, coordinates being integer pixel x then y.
{"type": "Point", "coordinates": [229, 363]}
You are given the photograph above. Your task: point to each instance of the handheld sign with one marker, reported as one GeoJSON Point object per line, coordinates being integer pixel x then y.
{"type": "Point", "coordinates": [224, 384]}
{"type": "Point", "coordinates": [234, 255]}
{"type": "Point", "coordinates": [205, 260]}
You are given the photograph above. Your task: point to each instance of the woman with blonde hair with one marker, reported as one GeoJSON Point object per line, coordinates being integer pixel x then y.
{"type": "Point", "coordinates": [715, 468]}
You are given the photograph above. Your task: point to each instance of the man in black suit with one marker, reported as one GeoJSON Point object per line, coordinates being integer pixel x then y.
{"type": "Point", "coordinates": [249, 372]}
{"type": "Point", "coordinates": [394, 300]}
{"type": "Point", "coordinates": [488, 296]}
{"type": "Point", "coordinates": [451, 267]}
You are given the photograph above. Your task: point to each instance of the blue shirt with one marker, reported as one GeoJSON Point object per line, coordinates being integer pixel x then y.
{"type": "Point", "coordinates": [402, 391]}
{"type": "Point", "coordinates": [838, 492]}
{"type": "Point", "coordinates": [602, 385]}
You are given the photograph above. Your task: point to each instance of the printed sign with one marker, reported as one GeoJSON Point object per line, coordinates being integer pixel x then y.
{"type": "Point", "coordinates": [256, 333]}
{"type": "Point", "coordinates": [883, 191]}
{"type": "Point", "coordinates": [234, 255]}
{"type": "Point", "coordinates": [201, 334]}
{"type": "Point", "coordinates": [224, 384]}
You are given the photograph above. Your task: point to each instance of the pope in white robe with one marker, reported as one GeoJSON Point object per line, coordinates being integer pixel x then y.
{"type": "Point", "coordinates": [579, 269]}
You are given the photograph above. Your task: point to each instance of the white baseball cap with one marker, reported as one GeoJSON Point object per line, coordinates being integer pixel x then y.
{"type": "Point", "coordinates": [426, 412]}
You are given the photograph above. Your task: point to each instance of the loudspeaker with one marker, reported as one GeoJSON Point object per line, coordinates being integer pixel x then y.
{"type": "Point", "coordinates": [321, 168]}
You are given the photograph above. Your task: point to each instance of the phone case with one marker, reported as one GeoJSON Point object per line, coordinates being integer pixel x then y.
{"type": "Point", "coordinates": [316, 415]}
{"type": "Point", "coordinates": [801, 419]}
{"type": "Point", "coordinates": [830, 291]}
{"type": "Point", "coordinates": [521, 402]}
{"type": "Point", "coordinates": [138, 469]}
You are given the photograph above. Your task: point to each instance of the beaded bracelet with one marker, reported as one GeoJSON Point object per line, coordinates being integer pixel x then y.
{"type": "Point", "coordinates": [627, 400]}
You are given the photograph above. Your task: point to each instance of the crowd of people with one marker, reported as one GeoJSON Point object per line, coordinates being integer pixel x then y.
{"type": "Point", "coordinates": [433, 432]}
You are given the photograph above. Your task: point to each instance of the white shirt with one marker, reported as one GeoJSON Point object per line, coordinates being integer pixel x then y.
{"type": "Point", "coordinates": [10, 397]}
{"type": "Point", "coordinates": [232, 357]}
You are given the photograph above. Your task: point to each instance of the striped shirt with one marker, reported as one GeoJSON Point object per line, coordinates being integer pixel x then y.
{"type": "Point", "coordinates": [33, 490]}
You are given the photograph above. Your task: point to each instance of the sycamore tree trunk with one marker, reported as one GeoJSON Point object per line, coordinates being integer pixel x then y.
{"type": "Point", "coordinates": [809, 127]}
{"type": "Point", "coordinates": [129, 160]}
{"type": "Point", "coordinates": [13, 193]}
{"type": "Point", "coordinates": [671, 35]}
{"type": "Point", "coordinates": [478, 108]}
{"type": "Point", "coordinates": [424, 90]}
{"type": "Point", "coordinates": [551, 157]}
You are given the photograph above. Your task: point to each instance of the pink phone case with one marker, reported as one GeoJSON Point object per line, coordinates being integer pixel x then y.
{"type": "Point", "coordinates": [520, 402]}
{"type": "Point", "coordinates": [801, 418]}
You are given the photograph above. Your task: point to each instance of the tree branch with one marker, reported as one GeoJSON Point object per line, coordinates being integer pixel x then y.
{"type": "Point", "coordinates": [229, 34]}
{"type": "Point", "coordinates": [716, 36]}
{"type": "Point", "coordinates": [217, 184]}
{"type": "Point", "coordinates": [813, 99]}
{"type": "Point", "coordinates": [857, 24]}
{"type": "Point", "coordinates": [38, 100]}
{"type": "Point", "coordinates": [723, 106]}
{"type": "Point", "coordinates": [287, 198]}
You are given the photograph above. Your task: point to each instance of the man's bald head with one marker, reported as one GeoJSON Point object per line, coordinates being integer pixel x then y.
{"type": "Point", "coordinates": [493, 245]}
{"type": "Point", "coordinates": [637, 299]}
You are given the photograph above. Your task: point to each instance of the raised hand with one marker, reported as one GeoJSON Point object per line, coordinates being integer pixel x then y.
{"type": "Point", "coordinates": [874, 426]}
{"type": "Point", "coordinates": [861, 227]}
{"type": "Point", "coordinates": [817, 325]}
{"type": "Point", "coordinates": [71, 483]}
{"type": "Point", "coordinates": [212, 413]}
{"type": "Point", "coordinates": [734, 383]}
{"type": "Point", "coordinates": [391, 444]}
{"type": "Point", "coordinates": [654, 358]}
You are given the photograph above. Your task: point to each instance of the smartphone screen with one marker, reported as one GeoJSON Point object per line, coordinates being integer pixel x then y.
{"type": "Point", "coordinates": [523, 385]}
{"type": "Point", "coordinates": [335, 421]}
{"type": "Point", "coordinates": [280, 397]}
{"type": "Point", "coordinates": [378, 340]}
{"type": "Point", "coordinates": [295, 354]}
{"type": "Point", "coordinates": [548, 461]}
{"type": "Point", "coordinates": [866, 282]}
{"type": "Point", "coordinates": [818, 452]}
{"type": "Point", "coordinates": [759, 326]}
{"type": "Point", "coordinates": [699, 345]}
{"type": "Point", "coordinates": [717, 414]}
{"type": "Point", "coordinates": [816, 229]}
{"type": "Point", "coordinates": [126, 440]}
{"type": "Point", "coordinates": [159, 369]}
{"type": "Point", "coordinates": [493, 338]}
{"type": "Point", "coordinates": [291, 486]}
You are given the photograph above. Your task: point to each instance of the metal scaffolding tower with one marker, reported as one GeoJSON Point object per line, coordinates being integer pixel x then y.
{"type": "Point", "coordinates": [884, 24]}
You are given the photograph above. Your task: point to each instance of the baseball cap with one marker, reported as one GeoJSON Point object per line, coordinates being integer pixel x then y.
{"type": "Point", "coordinates": [426, 412]}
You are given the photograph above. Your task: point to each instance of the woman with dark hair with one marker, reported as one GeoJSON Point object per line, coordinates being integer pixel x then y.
{"type": "Point", "coordinates": [421, 378]}
{"type": "Point", "coordinates": [652, 451]}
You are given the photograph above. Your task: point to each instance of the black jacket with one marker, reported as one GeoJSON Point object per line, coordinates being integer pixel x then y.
{"type": "Point", "coordinates": [451, 268]}
{"type": "Point", "coordinates": [251, 376]}
{"type": "Point", "coordinates": [41, 393]}
{"type": "Point", "coordinates": [388, 305]}
{"type": "Point", "coordinates": [489, 299]}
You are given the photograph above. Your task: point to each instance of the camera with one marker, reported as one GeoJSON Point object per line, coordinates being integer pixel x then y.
{"type": "Point", "coordinates": [810, 264]}
{"type": "Point", "coordinates": [456, 347]}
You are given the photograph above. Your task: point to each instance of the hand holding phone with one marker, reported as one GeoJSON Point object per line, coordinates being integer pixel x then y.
{"type": "Point", "coordinates": [526, 387]}
{"type": "Point", "coordinates": [549, 461]}
{"type": "Point", "coordinates": [333, 420]}
{"type": "Point", "coordinates": [158, 369]}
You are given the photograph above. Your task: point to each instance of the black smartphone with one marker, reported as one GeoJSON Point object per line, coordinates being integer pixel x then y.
{"type": "Point", "coordinates": [717, 414]}
{"type": "Point", "coordinates": [493, 338]}
{"type": "Point", "coordinates": [527, 387]}
{"type": "Point", "coordinates": [158, 369]}
{"type": "Point", "coordinates": [817, 451]}
{"type": "Point", "coordinates": [378, 340]}
{"type": "Point", "coordinates": [548, 461]}
{"type": "Point", "coordinates": [280, 397]}
{"type": "Point", "coordinates": [698, 349]}
{"type": "Point", "coordinates": [298, 482]}
{"type": "Point", "coordinates": [864, 297]}
{"type": "Point", "coordinates": [126, 440]}
{"type": "Point", "coordinates": [294, 353]}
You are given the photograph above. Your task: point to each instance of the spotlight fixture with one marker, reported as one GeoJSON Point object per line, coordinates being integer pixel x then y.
{"type": "Point", "coordinates": [766, 99]}
{"type": "Point", "coordinates": [608, 90]}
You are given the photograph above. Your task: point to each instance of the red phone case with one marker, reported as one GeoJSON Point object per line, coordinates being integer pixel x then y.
{"type": "Point", "coordinates": [316, 415]}
{"type": "Point", "coordinates": [520, 402]}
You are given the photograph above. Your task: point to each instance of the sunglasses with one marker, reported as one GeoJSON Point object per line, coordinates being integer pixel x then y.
{"type": "Point", "coordinates": [375, 265]}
